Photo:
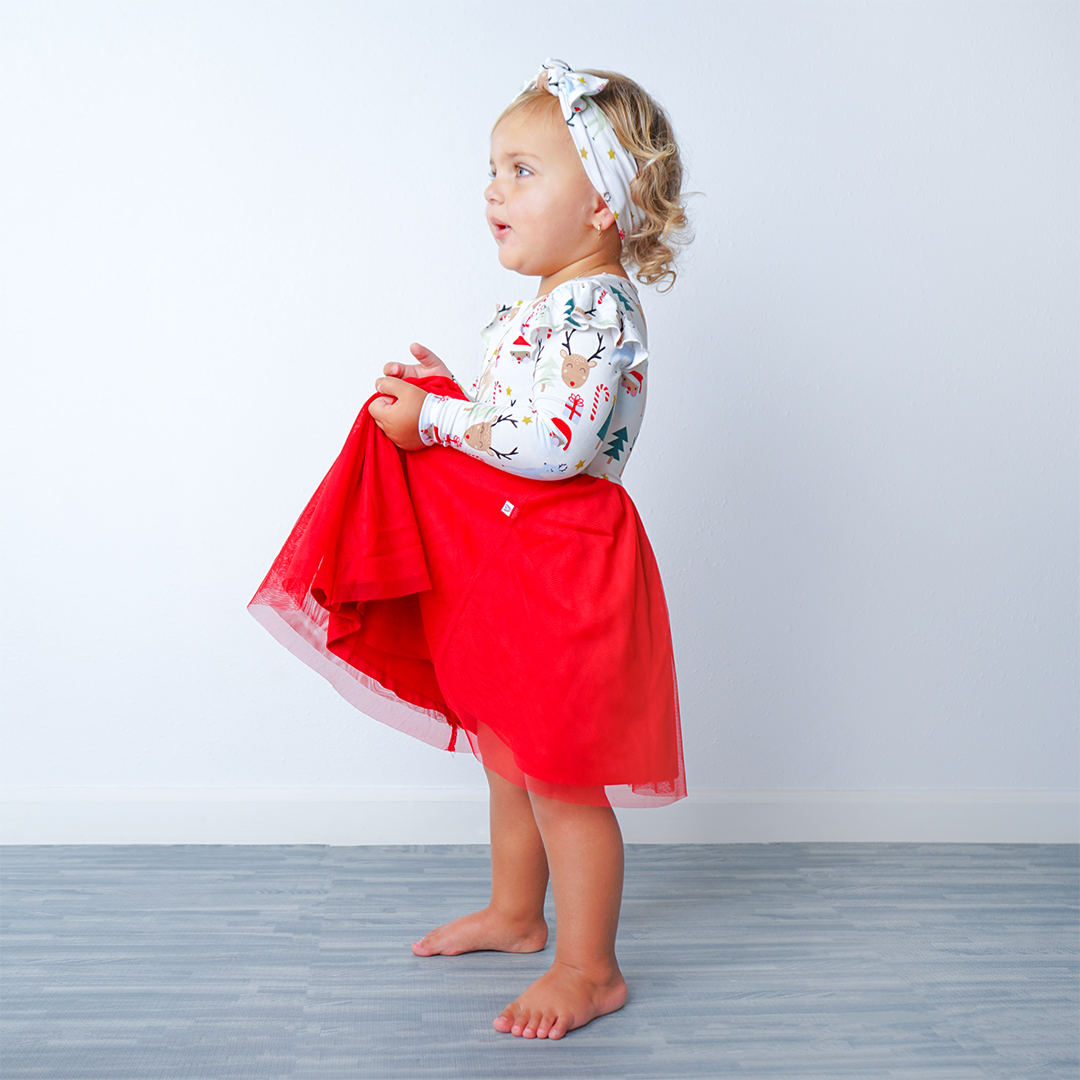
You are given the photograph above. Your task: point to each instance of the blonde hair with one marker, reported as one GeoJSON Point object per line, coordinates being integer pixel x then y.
{"type": "Point", "coordinates": [644, 131]}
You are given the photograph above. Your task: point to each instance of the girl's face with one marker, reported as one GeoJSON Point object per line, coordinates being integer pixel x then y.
{"type": "Point", "coordinates": [541, 207]}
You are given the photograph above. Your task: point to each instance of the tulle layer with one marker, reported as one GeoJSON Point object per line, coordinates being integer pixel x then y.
{"type": "Point", "coordinates": [521, 619]}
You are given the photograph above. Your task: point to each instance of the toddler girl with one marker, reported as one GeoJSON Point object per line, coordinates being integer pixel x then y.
{"type": "Point", "coordinates": [471, 569]}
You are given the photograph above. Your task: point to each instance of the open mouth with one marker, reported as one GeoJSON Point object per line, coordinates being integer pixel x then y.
{"type": "Point", "coordinates": [499, 228]}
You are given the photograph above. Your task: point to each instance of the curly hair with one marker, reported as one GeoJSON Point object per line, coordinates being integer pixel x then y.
{"type": "Point", "coordinates": [644, 131]}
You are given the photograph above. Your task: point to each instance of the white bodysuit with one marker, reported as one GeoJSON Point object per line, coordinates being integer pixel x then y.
{"type": "Point", "coordinates": [562, 390]}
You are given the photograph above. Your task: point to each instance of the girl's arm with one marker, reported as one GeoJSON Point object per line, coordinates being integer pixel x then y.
{"type": "Point", "coordinates": [553, 426]}
{"type": "Point", "coordinates": [544, 413]}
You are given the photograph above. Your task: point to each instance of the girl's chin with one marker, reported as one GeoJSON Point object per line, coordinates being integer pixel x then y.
{"type": "Point", "coordinates": [521, 263]}
{"type": "Point", "coordinates": [511, 260]}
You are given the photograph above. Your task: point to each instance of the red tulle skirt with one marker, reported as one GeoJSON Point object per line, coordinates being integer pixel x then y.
{"type": "Point", "coordinates": [521, 619]}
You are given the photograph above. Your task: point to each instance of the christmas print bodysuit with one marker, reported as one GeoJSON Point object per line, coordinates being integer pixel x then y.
{"type": "Point", "coordinates": [562, 390]}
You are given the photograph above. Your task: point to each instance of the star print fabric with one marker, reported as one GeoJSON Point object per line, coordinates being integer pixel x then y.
{"type": "Point", "coordinates": [610, 169]}
{"type": "Point", "coordinates": [562, 388]}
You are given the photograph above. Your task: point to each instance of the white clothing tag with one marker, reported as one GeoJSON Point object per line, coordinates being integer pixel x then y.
{"type": "Point", "coordinates": [508, 508]}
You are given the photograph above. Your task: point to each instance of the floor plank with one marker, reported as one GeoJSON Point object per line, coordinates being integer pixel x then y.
{"type": "Point", "coordinates": [779, 960]}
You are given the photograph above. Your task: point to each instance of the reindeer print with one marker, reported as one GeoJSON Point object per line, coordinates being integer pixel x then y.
{"type": "Point", "coordinates": [575, 368]}
{"type": "Point", "coordinates": [567, 372]}
{"type": "Point", "coordinates": [478, 437]}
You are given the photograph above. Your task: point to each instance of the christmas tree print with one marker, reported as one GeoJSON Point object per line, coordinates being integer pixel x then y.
{"type": "Point", "coordinates": [479, 412]}
{"type": "Point", "coordinates": [617, 444]}
{"type": "Point", "coordinates": [547, 370]}
{"type": "Point", "coordinates": [570, 311]}
{"type": "Point", "coordinates": [622, 299]}
{"type": "Point", "coordinates": [602, 433]}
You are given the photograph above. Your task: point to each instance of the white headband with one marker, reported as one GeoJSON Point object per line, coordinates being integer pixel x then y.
{"type": "Point", "coordinates": [609, 167]}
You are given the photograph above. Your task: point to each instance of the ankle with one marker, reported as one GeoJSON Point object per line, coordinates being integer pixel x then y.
{"type": "Point", "coordinates": [603, 971]}
{"type": "Point", "coordinates": [515, 915]}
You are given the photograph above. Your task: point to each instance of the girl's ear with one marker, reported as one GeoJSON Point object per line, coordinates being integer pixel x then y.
{"type": "Point", "coordinates": [602, 214]}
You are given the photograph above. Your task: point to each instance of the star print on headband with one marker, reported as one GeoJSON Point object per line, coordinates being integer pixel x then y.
{"type": "Point", "coordinates": [607, 164]}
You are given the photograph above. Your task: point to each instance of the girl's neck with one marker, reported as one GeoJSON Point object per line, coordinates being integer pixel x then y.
{"type": "Point", "coordinates": [587, 267]}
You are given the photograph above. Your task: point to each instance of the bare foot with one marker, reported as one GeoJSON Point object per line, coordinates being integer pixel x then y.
{"type": "Point", "coordinates": [483, 930]}
{"type": "Point", "coordinates": [563, 999]}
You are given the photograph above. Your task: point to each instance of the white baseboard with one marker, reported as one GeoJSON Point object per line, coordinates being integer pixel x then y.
{"type": "Point", "coordinates": [350, 816]}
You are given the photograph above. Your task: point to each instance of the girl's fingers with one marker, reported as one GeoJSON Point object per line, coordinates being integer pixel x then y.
{"type": "Point", "coordinates": [426, 357]}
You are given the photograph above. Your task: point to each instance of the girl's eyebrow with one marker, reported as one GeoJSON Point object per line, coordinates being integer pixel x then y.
{"type": "Point", "coordinates": [518, 154]}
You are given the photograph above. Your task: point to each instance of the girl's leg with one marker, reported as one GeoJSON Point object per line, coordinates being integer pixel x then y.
{"type": "Point", "coordinates": [585, 853]}
{"type": "Point", "coordinates": [514, 919]}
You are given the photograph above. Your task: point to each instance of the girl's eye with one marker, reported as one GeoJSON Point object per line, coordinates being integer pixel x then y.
{"type": "Point", "coordinates": [519, 172]}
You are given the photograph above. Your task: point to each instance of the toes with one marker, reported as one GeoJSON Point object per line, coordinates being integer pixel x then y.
{"type": "Point", "coordinates": [526, 1023]}
{"type": "Point", "coordinates": [507, 1020]}
{"type": "Point", "coordinates": [558, 1028]}
{"type": "Point", "coordinates": [544, 1020]}
{"type": "Point", "coordinates": [529, 1031]}
{"type": "Point", "coordinates": [431, 944]}
{"type": "Point", "coordinates": [424, 947]}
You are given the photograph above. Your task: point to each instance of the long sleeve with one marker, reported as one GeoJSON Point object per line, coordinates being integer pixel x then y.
{"type": "Point", "coordinates": [548, 395]}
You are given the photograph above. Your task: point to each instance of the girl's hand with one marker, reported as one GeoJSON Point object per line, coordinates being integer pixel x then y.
{"type": "Point", "coordinates": [398, 412]}
{"type": "Point", "coordinates": [428, 364]}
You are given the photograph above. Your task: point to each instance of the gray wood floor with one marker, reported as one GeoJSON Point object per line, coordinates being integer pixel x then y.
{"type": "Point", "coordinates": [784, 960]}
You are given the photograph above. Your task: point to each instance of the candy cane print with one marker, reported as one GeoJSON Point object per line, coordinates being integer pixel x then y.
{"type": "Point", "coordinates": [601, 389]}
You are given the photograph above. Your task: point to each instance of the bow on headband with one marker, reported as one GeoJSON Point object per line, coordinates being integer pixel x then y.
{"type": "Point", "coordinates": [609, 167]}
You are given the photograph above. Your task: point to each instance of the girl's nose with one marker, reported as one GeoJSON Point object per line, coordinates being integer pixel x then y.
{"type": "Point", "coordinates": [491, 192]}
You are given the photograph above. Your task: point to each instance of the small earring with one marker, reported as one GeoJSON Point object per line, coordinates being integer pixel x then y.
{"type": "Point", "coordinates": [599, 231]}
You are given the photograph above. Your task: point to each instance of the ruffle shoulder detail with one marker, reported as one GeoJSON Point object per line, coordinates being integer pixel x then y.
{"type": "Point", "coordinates": [589, 303]}
{"type": "Point", "coordinates": [592, 303]}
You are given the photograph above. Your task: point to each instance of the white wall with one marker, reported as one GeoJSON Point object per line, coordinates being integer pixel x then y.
{"type": "Point", "coordinates": [859, 465]}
